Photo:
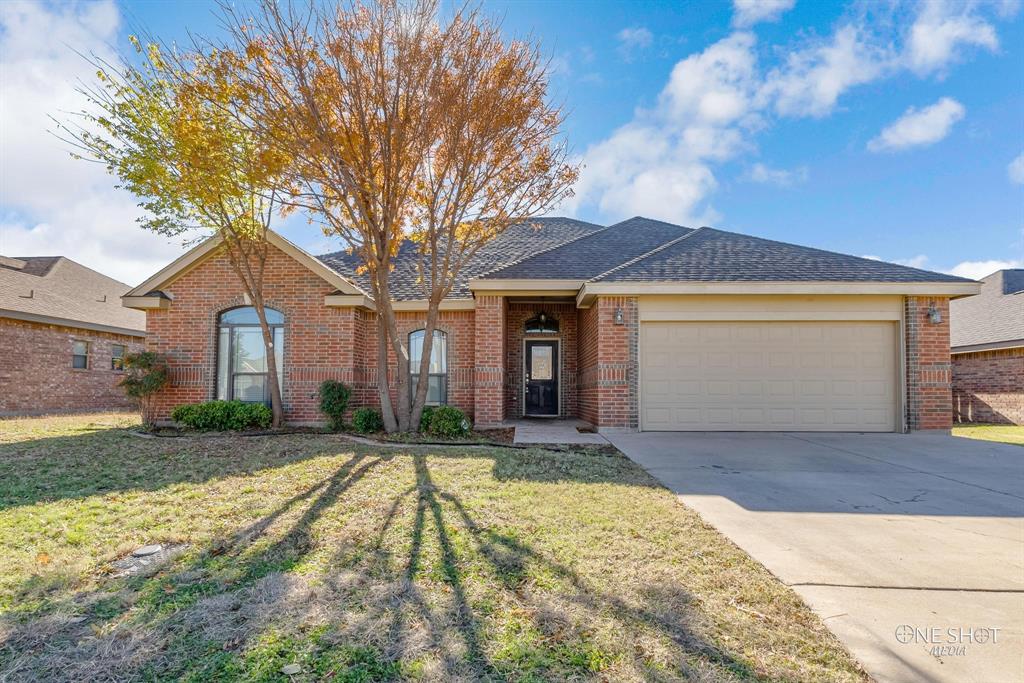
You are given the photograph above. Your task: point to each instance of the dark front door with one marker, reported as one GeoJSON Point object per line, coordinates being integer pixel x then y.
{"type": "Point", "coordinates": [541, 378]}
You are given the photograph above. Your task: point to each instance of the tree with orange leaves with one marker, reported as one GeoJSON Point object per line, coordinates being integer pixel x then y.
{"type": "Point", "coordinates": [400, 126]}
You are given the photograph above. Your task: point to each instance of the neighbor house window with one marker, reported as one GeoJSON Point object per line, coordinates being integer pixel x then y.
{"type": "Point", "coordinates": [242, 357]}
{"type": "Point", "coordinates": [80, 355]}
{"type": "Point", "coordinates": [437, 387]}
{"type": "Point", "coordinates": [117, 357]}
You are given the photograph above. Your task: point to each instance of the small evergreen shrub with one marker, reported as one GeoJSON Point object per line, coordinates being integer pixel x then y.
{"type": "Point", "coordinates": [425, 417]}
{"type": "Point", "coordinates": [222, 416]}
{"type": "Point", "coordinates": [145, 375]}
{"type": "Point", "coordinates": [334, 398]}
{"type": "Point", "coordinates": [367, 420]}
{"type": "Point", "coordinates": [448, 421]}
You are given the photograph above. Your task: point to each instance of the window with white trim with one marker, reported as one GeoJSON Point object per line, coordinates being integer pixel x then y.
{"type": "Point", "coordinates": [437, 371]}
{"type": "Point", "coordinates": [242, 357]}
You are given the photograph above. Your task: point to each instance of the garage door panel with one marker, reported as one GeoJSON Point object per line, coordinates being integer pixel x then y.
{"type": "Point", "coordinates": [816, 376]}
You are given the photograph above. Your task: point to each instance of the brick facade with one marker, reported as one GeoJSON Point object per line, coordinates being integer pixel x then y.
{"type": "Point", "coordinates": [608, 363]}
{"type": "Point", "coordinates": [988, 386]}
{"type": "Point", "coordinates": [599, 368]}
{"type": "Point", "coordinates": [928, 367]}
{"type": "Point", "coordinates": [36, 373]}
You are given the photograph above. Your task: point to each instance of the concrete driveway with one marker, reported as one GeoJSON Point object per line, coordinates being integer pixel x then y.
{"type": "Point", "coordinates": [892, 539]}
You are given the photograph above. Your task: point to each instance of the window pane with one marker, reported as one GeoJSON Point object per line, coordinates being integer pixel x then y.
{"type": "Point", "coordinates": [116, 357]}
{"type": "Point", "coordinates": [247, 316]}
{"type": "Point", "coordinates": [540, 363]}
{"type": "Point", "coordinates": [415, 347]}
{"type": "Point", "coordinates": [279, 355]}
{"type": "Point", "coordinates": [437, 389]}
{"type": "Point", "coordinates": [78, 362]}
{"type": "Point", "coordinates": [250, 353]}
{"type": "Point", "coordinates": [80, 348]}
{"type": "Point", "coordinates": [223, 364]}
{"type": "Point", "coordinates": [250, 388]}
{"type": "Point", "coordinates": [439, 354]}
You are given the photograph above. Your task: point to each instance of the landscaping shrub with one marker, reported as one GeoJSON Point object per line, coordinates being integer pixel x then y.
{"type": "Point", "coordinates": [145, 375]}
{"type": "Point", "coordinates": [425, 417]}
{"type": "Point", "coordinates": [334, 398]}
{"type": "Point", "coordinates": [448, 421]}
{"type": "Point", "coordinates": [220, 416]}
{"type": "Point", "coordinates": [367, 420]}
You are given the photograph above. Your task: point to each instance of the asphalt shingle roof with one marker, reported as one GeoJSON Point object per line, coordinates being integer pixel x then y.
{"type": "Point", "coordinates": [598, 253]}
{"type": "Point", "coordinates": [708, 254]}
{"type": "Point", "coordinates": [640, 250]}
{"type": "Point", "coordinates": [57, 287]}
{"type": "Point", "coordinates": [993, 316]}
{"type": "Point", "coordinates": [515, 244]}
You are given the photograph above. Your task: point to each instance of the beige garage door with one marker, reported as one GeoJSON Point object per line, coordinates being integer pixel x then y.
{"type": "Point", "coordinates": [753, 376]}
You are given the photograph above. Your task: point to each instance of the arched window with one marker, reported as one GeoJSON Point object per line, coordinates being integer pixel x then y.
{"type": "Point", "coordinates": [542, 323]}
{"type": "Point", "coordinates": [437, 389]}
{"type": "Point", "coordinates": [242, 357]}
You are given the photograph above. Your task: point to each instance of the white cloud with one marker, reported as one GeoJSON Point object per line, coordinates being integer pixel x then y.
{"type": "Point", "coordinates": [750, 12]}
{"type": "Point", "coordinates": [55, 205]}
{"type": "Point", "coordinates": [1015, 170]}
{"type": "Point", "coordinates": [919, 261]}
{"type": "Point", "coordinates": [979, 269]}
{"type": "Point", "coordinates": [811, 80]}
{"type": "Point", "coordinates": [919, 127]}
{"type": "Point", "coordinates": [941, 28]}
{"type": "Point", "coordinates": [633, 39]}
{"type": "Point", "coordinates": [780, 177]}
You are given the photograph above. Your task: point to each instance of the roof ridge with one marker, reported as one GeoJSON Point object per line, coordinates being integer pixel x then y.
{"type": "Point", "coordinates": [543, 251]}
{"type": "Point", "coordinates": [835, 253]}
{"type": "Point", "coordinates": [666, 245]}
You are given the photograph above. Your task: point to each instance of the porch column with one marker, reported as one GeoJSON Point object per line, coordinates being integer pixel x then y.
{"type": "Point", "coordinates": [489, 367]}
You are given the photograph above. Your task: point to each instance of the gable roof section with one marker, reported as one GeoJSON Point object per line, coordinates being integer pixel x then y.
{"type": "Point", "coordinates": [598, 253]}
{"type": "Point", "coordinates": [142, 296]}
{"type": "Point", "coordinates": [992, 319]}
{"type": "Point", "coordinates": [57, 290]}
{"type": "Point", "coordinates": [711, 255]}
{"type": "Point", "coordinates": [517, 243]}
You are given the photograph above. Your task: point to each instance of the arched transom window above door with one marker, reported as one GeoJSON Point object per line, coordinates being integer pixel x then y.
{"type": "Point", "coordinates": [242, 357]}
{"type": "Point", "coordinates": [541, 323]}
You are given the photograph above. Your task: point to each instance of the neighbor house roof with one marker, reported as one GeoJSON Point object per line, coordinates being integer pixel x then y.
{"type": "Point", "coordinates": [56, 290]}
{"type": "Point", "coordinates": [992, 319]}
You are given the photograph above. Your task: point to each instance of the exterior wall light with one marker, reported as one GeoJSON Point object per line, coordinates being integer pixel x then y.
{"type": "Point", "coordinates": [934, 314]}
{"type": "Point", "coordinates": [619, 318]}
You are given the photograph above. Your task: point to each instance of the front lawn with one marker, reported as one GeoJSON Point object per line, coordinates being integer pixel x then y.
{"type": "Point", "coordinates": [365, 564]}
{"type": "Point", "coordinates": [1003, 433]}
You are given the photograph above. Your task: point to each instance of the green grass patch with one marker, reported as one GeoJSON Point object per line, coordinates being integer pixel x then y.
{"type": "Point", "coordinates": [1012, 434]}
{"type": "Point", "coordinates": [372, 564]}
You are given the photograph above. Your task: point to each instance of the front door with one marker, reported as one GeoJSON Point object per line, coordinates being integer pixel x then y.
{"type": "Point", "coordinates": [541, 378]}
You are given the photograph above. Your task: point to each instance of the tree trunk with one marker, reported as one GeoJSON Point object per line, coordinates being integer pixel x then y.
{"type": "Point", "coordinates": [276, 408]}
{"type": "Point", "coordinates": [387, 315]}
{"type": "Point", "coordinates": [420, 399]}
{"type": "Point", "coordinates": [387, 411]}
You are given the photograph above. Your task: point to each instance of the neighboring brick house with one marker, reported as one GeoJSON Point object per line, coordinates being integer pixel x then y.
{"type": "Point", "coordinates": [640, 325]}
{"type": "Point", "coordinates": [987, 339]}
{"type": "Point", "coordinates": [63, 334]}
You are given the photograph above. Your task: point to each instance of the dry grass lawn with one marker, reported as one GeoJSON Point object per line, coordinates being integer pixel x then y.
{"type": "Point", "coordinates": [367, 564]}
{"type": "Point", "coordinates": [1002, 433]}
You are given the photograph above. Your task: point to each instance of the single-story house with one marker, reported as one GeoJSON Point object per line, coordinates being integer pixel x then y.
{"type": "Point", "coordinates": [987, 342]}
{"type": "Point", "coordinates": [63, 337]}
{"type": "Point", "coordinates": [639, 325]}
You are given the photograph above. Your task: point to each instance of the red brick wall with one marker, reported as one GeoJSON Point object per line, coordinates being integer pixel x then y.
{"type": "Point", "coordinates": [928, 366]}
{"type": "Point", "coordinates": [36, 376]}
{"type": "Point", "coordinates": [489, 356]}
{"type": "Point", "coordinates": [320, 342]}
{"type": "Point", "coordinates": [516, 317]}
{"type": "Point", "coordinates": [607, 360]}
{"type": "Point", "coordinates": [988, 386]}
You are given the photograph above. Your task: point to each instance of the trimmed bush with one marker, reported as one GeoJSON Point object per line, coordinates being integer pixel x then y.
{"type": "Point", "coordinates": [222, 416]}
{"type": "Point", "coordinates": [448, 421]}
{"type": "Point", "coordinates": [425, 417]}
{"type": "Point", "coordinates": [334, 398]}
{"type": "Point", "coordinates": [367, 420]}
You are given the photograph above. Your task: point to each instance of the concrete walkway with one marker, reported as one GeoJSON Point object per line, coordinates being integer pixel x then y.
{"type": "Point", "coordinates": [552, 430]}
{"type": "Point", "coordinates": [903, 544]}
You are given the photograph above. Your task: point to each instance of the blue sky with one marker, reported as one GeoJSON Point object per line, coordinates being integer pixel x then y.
{"type": "Point", "coordinates": [889, 129]}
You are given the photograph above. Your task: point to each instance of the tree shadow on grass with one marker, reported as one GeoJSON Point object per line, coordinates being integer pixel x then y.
{"type": "Point", "coordinates": [431, 592]}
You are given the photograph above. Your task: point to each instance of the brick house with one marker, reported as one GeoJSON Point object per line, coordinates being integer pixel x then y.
{"type": "Point", "coordinates": [987, 340]}
{"type": "Point", "coordinates": [63, 335]}
{"type": "Point", "coordinates": [640, 325]}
